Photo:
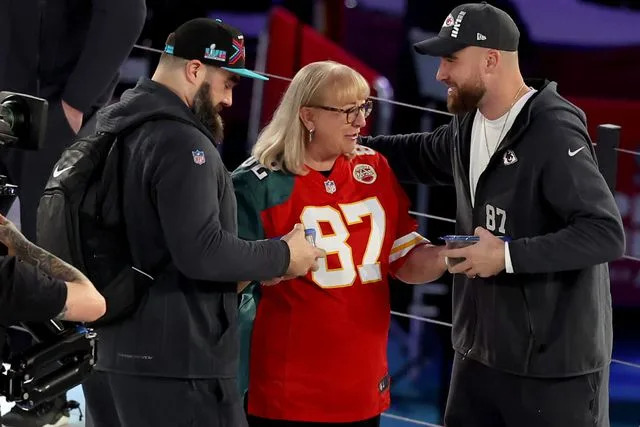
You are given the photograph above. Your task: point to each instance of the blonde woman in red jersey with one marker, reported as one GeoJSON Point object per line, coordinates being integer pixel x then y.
{"type": "Point", "coordinates": [319, 342]}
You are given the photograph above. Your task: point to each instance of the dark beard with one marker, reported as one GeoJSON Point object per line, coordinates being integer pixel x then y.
{"type": "Point", "coordinates": [206, 112]}
{"type": "Point", "coordinates": [466, 99]}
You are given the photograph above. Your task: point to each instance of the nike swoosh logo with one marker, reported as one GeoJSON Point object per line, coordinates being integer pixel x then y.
{"type": "Point", "coordinates": [57, 172]}
{"type": "Point", "coordinates": [573, 153]}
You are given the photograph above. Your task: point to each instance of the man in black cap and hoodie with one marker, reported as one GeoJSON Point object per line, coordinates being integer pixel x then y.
{"type": "Point", "coordinates": [174, 362]}
{"type": "Point", "coordinates": [531, 311]}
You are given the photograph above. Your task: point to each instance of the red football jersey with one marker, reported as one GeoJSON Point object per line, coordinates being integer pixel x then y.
{"type": "Point", "coordinates": [319, 344]}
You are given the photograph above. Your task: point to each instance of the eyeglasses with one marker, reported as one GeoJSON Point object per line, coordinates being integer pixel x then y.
{"type": "Point", "coordinates": [351, 113]}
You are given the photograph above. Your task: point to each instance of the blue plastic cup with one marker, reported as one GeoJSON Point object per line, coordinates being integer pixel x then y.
{"type": "Point", "coordinates": [310, 235]}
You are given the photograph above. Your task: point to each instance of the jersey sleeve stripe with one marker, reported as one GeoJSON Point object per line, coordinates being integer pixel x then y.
{"type": "Point", "coordinates": [406, 239]}
{"type": "Point", "coordinates": [404, 244]}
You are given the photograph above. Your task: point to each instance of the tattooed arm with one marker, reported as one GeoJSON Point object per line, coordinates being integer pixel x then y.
{"type": "Point", "coordinates": [84, 302]}
{"type": "Point", "coordinates": [26, 251]}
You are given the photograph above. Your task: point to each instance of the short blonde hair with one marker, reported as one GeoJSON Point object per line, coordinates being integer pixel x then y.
{"type": "Point", "coordinates": [281, 144]}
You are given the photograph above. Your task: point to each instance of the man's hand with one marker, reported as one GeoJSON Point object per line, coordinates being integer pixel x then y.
{"type": "Point", "coordinates": [74, 117]}
{"type": "Point", "coordinates": [10, 236]}
{"type": "Point", "coordinates": [303, 255]}
{"type": "Point", "coordinates": [484, 259]}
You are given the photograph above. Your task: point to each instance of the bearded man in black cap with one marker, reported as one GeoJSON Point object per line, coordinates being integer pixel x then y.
{"type": "Point", "coordinates": [174, 362]}
{"type": "Point", "coordinates": [532, 325]}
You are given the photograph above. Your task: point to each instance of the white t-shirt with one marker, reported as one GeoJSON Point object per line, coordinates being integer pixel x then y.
{"type": "Point", "coordinates": [483, 148]}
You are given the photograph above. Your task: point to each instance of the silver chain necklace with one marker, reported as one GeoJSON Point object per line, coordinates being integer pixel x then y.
{"type": "Point", "coordinates": [484, 125]}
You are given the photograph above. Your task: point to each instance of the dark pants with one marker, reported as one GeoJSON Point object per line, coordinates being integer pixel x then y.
{"type": "Point", "coordinates": [117, 400]}
{"type": "Point", "coordinates": [263, 422]}
{"type": "Point", "coordinates": [480, 396]}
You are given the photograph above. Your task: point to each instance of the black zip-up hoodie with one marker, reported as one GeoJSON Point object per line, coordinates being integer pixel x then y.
{"type": "Point", "coordinates": [180, 215]}
{"type": "Point", "coordinates": [542, 187]}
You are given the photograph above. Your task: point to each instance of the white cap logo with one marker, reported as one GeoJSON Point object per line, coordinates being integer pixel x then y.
{"type": "Point", "coordinates": [456, 24]}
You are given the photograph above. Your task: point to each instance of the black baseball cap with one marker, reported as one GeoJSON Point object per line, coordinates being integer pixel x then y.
{"type": "Point", "coordinates": [213, 43]}
{"type": "Point", "coordinates": [473, 24]}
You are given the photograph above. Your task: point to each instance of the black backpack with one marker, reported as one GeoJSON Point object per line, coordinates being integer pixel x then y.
{"type": "Point", "coordinates": [81, 220]}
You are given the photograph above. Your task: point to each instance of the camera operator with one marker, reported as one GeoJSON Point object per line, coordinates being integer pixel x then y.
{"type": "Point", "coordinates": [37, 286]}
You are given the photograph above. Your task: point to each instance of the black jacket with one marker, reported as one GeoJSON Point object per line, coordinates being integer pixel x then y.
{"type": "Point", "coordinates": [67, 49]}
{"type": "Point", "coordinates": [180, 215]}
{"type": "Point", "coordinates": [552, 318]}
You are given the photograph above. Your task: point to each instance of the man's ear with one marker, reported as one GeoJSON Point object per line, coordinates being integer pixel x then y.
{"type": "Point", "coordinates": [195, 72]}
{"type": "Point", "coordinates": [492, 60]}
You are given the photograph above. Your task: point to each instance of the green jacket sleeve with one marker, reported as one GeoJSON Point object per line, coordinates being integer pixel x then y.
{"type": "Point", "coordinates": [249, 228]}
{"type": "Point", "coordinates": [256, 189]}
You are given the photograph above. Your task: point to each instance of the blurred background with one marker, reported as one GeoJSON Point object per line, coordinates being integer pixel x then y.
{"type": "Point", "coordinates": [590, 47]}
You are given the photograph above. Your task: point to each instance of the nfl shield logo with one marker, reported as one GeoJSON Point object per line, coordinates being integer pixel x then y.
{"type": "Point", "coordinates": [198, 157]}
{"type": "Point", "coordinates": [330, 186]}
